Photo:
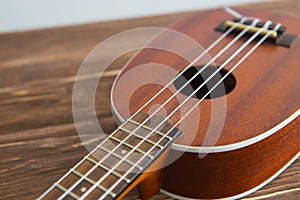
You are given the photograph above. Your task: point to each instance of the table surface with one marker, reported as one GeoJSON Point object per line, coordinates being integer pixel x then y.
{"type": "Point", "coordinates": [38, 139]}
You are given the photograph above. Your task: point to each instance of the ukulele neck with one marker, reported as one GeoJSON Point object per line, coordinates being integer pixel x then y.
{"type": "Point", "coordinates": [117, 162]}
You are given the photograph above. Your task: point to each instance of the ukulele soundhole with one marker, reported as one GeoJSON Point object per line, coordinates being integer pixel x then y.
{"type": "Point", "coordinates": [207, 79]}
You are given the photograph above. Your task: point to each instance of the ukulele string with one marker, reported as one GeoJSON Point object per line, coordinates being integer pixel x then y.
{"type": "Point", "coordinates": [253, 37]}
{"type": "Point", "coordinates": [142, 107]}
{"type": "Point", "coordinates": [220, 81]}
{"type": "Point", "coordinates": [182, 72]}
{"type": "Point", "coordinates": [129, 153]}
{"type": "Point", "coordinates": [232, 12]}
{"type": "Point", "coordinates": [225, 63]}
{"type": "Point", "coordinates": [171, 113]}
{"type": "Point", "coordinates": [228, 10]}
{"type": "Point", "coordinates": [95, 167]}
{"type": "Point", "coordinates": [227, 74]}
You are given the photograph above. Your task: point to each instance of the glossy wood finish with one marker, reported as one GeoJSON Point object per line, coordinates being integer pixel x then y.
{"type": "Point", "coordinates": [227, 174]}
{"type": "Point", "coordinates": [266, 93]}
{"type": "Point", "coordinates": [38, 140]}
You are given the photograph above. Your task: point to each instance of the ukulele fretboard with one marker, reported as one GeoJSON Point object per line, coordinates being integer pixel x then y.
{"type": "Point", "coordinates": [117, 161]}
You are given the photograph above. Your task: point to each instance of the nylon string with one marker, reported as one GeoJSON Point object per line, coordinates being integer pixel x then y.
{"type": "Point", "coordinates": [132, 150]}
{"type": "Point", "coordinates": [200, 56]}
{"type": "Point", "coordinates": [227, 61]}
{"type": "Point", "coordinates": [220, 81]}
{"type": "Point", "coordinates": [108, 137]}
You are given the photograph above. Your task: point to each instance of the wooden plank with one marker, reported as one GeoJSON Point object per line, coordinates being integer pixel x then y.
{"type": "Point", "coordinates": [38, 139]}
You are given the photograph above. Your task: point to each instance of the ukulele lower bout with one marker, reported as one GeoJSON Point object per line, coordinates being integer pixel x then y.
{"type": "Point", "coordinates": [261, 133]}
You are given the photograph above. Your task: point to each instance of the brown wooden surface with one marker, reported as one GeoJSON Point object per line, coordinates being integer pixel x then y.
{"type": "Point", "coordinates": [38, 140]}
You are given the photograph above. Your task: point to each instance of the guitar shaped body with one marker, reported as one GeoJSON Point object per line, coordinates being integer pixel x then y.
{"type": "Point", "coordinates": [261, 132]}
{"type": "Point", "coordinates": [209, 109]}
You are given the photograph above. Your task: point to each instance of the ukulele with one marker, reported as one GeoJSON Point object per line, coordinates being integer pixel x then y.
{"type": "Point", "coordinates": [211, 123]}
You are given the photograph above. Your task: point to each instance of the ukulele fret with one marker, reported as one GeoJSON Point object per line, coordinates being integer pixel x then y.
{"type": "Point", "coordinates": [107, 169]}
{"type": "Point", "coordinates": [120, 157]}
{"type": "Point", "coordinates": [152, 130]}
{"type": "Point", "coordinates": [141, 137]}
{"type": "Point", "coordinates": [110, 168]}
{"type": "Point", "coordinates": [132, 147]}
{"type": "Point", "coordinates": [93, 183]}
{"type": "Point", "coordinates": [63, 189]}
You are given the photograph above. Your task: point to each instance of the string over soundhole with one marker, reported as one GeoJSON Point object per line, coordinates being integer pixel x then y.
{"type": "Point", "coordinates": [204, 82]}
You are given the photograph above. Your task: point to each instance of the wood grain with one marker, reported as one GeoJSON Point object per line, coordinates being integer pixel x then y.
{"type": "Point", "coordinates": [38, 140]}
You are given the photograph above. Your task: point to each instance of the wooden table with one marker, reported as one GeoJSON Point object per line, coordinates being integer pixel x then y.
{"type": "Point", "coordinates": [38, 139]}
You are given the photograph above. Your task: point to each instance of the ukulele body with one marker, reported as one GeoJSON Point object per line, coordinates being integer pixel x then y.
{"type": "Point", "coordinates": [259, 136]}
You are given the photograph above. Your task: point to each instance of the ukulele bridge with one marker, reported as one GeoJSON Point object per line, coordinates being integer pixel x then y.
{"type": "Point", "coordinates": [279, 37]}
